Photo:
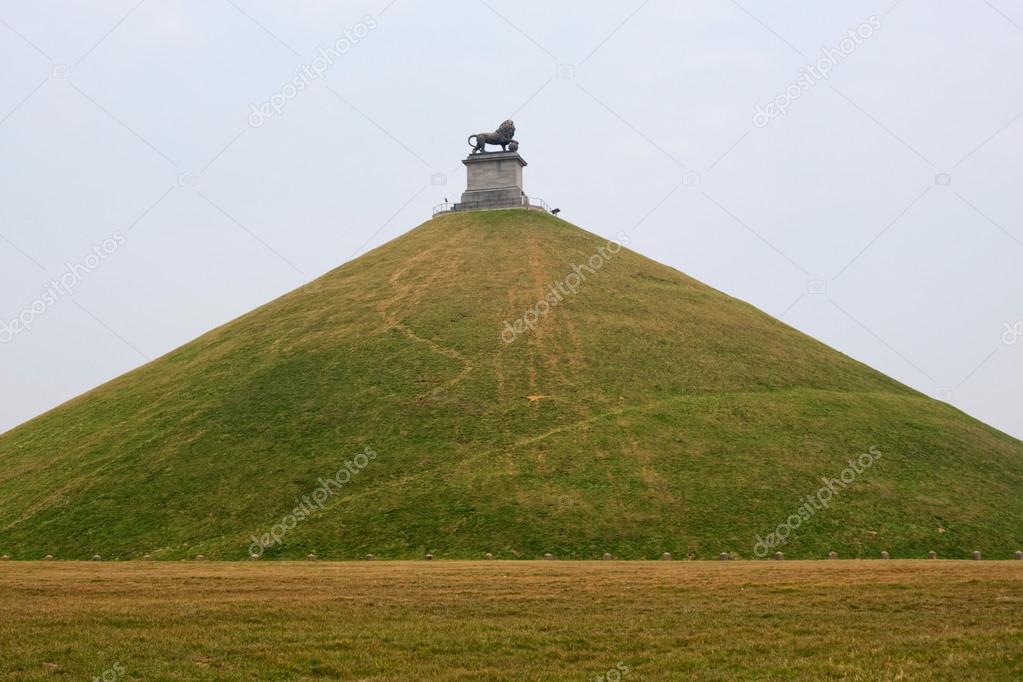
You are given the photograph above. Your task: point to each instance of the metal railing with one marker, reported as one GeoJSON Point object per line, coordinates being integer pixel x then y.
{"type": "Point", "coordinates": [531, 203]}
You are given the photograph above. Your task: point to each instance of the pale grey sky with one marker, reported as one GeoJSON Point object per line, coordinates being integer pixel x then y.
{"type": "Point", "coordinates": [880, 213]}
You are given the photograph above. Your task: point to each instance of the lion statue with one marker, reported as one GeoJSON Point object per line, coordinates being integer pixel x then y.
{"type": "Point", "coordinates": [502, 136]}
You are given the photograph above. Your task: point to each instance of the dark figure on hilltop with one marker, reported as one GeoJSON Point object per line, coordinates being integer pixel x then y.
{"type": "Point", "coordinates": [502, 136]}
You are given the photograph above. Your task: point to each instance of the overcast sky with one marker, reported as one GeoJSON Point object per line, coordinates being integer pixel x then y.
{"type": "Point", "coordinates": [879, 212]}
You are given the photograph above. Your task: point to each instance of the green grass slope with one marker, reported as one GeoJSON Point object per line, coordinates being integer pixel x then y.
{"type": "Point", "coordinates": [646, 412]}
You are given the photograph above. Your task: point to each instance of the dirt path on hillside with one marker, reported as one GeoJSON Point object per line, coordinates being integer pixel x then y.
{"type": "Point", "coordinates": [406, 296]}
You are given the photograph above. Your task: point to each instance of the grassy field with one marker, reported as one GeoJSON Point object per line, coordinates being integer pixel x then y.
{"type": "Point", "coordinates": [513, 620]}
{"type": "Point", "coordinates": [646, 412]}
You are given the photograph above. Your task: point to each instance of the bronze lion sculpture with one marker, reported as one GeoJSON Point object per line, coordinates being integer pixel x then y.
{"type": "Point", "coordinates": [503, 136]}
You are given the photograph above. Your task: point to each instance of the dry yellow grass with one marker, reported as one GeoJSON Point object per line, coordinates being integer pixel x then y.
{"type": "Point", "coordinates": [856, 620]}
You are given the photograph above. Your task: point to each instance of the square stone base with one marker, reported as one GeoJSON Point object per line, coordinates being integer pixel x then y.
{"type": "Point", "coordinates": [494, 181]}
{"type": "Point", "coordinates": [509, 197]}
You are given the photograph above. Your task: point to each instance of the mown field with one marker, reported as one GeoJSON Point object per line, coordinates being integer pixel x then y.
{"type": "Point", "coordinates": [514, 620]}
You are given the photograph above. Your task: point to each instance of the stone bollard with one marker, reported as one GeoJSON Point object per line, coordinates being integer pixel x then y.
{"type": "Point", "coordinates": [428, 557]}
{"type": "Point", "coordinates": [724, 556]}
{"type": "Point", "coordinates": [606, 557]}
{"type": "Point", "coordinates": [778, 556]}
{"type": "Point", "coordinates": [488, 556]}
{"type": "Point", "coordinates": [8, 558]}
{"type": "Point", "coordinates": [254, 557]}
{"type": "Point", "coordinates": [666, 556]}
{"type": "Point", "coordinates": [48, 557]}
{"type": "Point", "coordinates": [884, 555]}
{"type": "Point", "coordinates": [147, 557]}
{"type": "Point", "coordinates": [976, 555]}
{"type": "Point", "coordinates": [1018, 555]}
{"type": "Point", "coordinates": [932, 555]}
{"type": "Point", "coordinates": [310, 557]}
{"type": "Point", "coordinates": [97, 557]}
{"type": "Point", "coordinates": [369, 557]}
{"type": "Point", "coordinates": [548, 556]}
{"type": "Point", "coordinates": [832, 555]}
{"type": "Point", "coordinates": [200, 557]}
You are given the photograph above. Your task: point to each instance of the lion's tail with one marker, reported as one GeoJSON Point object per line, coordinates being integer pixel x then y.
{"type": "Point", "coordinates": [470, 140]}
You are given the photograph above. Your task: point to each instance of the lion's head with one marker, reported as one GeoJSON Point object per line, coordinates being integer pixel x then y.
{"type": "Point", "coordinates": [506, 129]}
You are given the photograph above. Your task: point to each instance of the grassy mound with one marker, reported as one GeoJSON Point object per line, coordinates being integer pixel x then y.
{"type": "Point", "coordinates": [397, 406]}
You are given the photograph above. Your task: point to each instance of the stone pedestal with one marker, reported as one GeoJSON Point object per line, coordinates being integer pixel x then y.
{"type": "Point", "coordinates": [495, 181]}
